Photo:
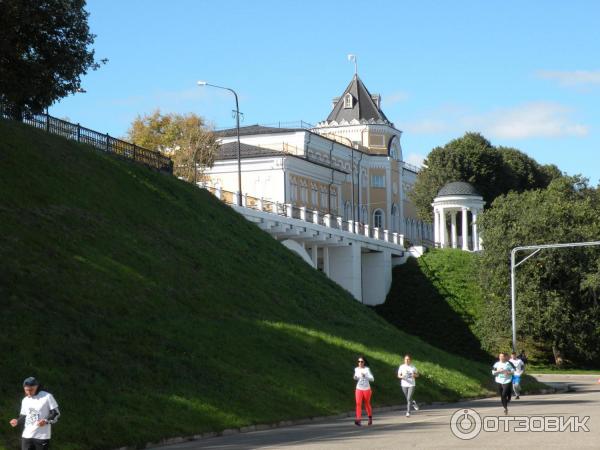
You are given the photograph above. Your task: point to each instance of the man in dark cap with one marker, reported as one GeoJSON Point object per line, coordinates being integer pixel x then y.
{"type": "Point", "coordinates": [39, 411]}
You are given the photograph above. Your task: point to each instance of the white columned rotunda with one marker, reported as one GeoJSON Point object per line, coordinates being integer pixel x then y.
{"type": "Point", "coordinates": [455, 211]}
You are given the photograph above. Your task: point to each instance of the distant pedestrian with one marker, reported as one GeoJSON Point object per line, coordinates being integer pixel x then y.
{"type": "Point", "coordinates": [519, 367]}
{"type": "Point", "coordinates": [523, 357]}
{"type": "Point", "coordinates": [503, 371]}
{"type": "Point", "coordinates": [363, 376]}
{"type": "Point", "coordinates": [407, 374]}
{"type": "Point", "coordinates": [39, 411]}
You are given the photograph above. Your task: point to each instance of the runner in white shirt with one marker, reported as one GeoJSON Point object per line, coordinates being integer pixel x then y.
{"type": "Point", "coordinates": [407, 374]}
{"type": "Point", "coordinates": [363, 376]}
{"type": "Point", "coordinates": [519, 369]}
{"type": "Point", "coordinates": [503, 371]}
{"type": "Point", "coordinates": [39, 411]}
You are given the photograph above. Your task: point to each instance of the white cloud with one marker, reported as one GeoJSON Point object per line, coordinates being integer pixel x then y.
{"type": "Point", "coordinates": [529, 120]}
{"type": "Point", "coordinates": [571, 78]}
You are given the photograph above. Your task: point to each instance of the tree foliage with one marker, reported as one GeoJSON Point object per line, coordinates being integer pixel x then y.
{"type": "Point", "coordinates": [44, 50]}
{"type": "Point", "coordinates": [184, 138]}
{"type": "Point", "coordinates": [557, 290]}
{"type": "Point", "coordinates": [472, 158]}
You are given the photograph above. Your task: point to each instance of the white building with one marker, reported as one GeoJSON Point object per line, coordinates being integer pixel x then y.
{"type": "Point", "coordinates": [349, 165]}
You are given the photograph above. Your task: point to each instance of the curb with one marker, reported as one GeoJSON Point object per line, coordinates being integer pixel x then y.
{"type": "Point", "coordinates": [287, 423]}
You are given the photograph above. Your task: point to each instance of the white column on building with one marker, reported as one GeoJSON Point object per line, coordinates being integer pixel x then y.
{"type": "Point", "coordinates": [436, 226]}
{"type": "Point", "coordinates": [315, 255]}
{"type": "Point", "coordinates": [388, 195]}
{"type": "Point", "coordinates": [474, 233]}
{"type": "Point", "coordinates": [465, 230]}
{"type": "Point", "coordinates": [453, 229]}
{"type": "Point", "coordinates": [326, 260]}
{"type": "Point", "coordinates": [443, 241]}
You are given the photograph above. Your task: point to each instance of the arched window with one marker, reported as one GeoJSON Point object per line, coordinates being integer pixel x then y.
{"type": "Point", "coordinates": [364, 215]}
{"type": "Point", "coordinates": [378, 219]}
{"type": "Point", "coordinates": [348, 101]}
{"type": "Point", "coordinates": [347, 211]}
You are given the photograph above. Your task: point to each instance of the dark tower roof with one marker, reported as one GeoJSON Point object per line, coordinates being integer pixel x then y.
{"type": "Point", "coordinates": [458, 188]}
{"type": "Point", "coordinates": [364, 106]}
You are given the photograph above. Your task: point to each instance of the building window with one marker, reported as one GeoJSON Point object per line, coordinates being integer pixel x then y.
{"type": "Point", "coordinates": [378, 219]}
{"type": "Point", "coordinates": [324, 202]}
{"type": "Point", "coordinates": [348, 101]}
{"type": "Point", "coordinates": [314, 194]}
{"type": "Point", "coordinates": [378, 181]}
{"type": "Point", "coordinates": [376, 140]}
{"type": "Point", "coordinates": [347, 211]}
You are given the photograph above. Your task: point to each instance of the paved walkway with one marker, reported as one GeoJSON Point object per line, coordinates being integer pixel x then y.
{"type": "Point", "coordinates": [430, 427]}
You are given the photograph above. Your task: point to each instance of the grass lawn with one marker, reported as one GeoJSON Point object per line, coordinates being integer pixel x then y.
{"type": "Point", "coordinates": [152, 310]}
{"type": "Point", "coordinates": [438, 298]}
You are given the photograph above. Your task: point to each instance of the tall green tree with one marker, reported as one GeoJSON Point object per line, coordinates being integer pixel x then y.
{"type": "Point", "coordinates": [185, 138]}
{"type": "Point", "coordinates": [44, 51]}
{"type": "Point", "coordinates": [472, 158]}
{"type": "Point", "coordinates": [557, 290]}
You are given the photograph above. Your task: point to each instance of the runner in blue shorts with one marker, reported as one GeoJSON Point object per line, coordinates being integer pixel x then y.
{"type": "Point", "coordinates": [519, 369]}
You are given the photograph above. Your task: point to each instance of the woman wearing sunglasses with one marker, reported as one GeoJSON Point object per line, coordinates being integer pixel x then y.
{"type": "Point", "coordinates": [363, 376]}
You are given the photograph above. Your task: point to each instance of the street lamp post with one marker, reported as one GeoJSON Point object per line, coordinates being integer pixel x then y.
{"type": "Point", "coordinates": [239, 150]}
{"type": "Point", "coordinates": [513, 279]}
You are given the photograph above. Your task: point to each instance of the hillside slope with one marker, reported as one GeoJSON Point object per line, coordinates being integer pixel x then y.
{"type": "Point", "coordinates": [440, 288]}
{"type": "Point", "coordinates": [151, 310]}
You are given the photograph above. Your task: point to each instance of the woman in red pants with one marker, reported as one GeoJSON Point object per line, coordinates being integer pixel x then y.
{"type": "Point", "coordinates": [363, 375]}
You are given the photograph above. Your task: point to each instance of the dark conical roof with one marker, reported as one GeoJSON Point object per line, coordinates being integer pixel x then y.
{"type": "Point", "coordinates": [458, 188]}
{"type": "Point", "coordinates": [364, 108]}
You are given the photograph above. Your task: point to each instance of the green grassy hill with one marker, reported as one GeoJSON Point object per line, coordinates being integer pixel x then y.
{"type": "Point", "coordinates": [152, 310]}
{"type": "Point", "coordinates": [438, 298]}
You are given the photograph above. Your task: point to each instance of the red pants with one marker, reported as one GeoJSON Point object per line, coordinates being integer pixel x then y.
{"type": "Point", "coordinates": [360, 396]}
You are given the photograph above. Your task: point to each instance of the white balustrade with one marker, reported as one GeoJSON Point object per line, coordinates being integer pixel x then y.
{"type": "Point", "coordinates": [327, 220]}
{"type": "Point", "coordinates": [315, 216]}
{"type": "Point", "coordinates": [289, 211]}
{"type": "Point", "coordinates": [303, 213]}
{"type": "Point", "coordinates": [340, 222]}
{"type": "Point", "coordinates": [260, 204]}
{"type": "Point", "coordinates": [366, 230]}
{"type": "Point", "coordinates": [376, 232]}
{"type": "Point", "coordinates": [386, 235]}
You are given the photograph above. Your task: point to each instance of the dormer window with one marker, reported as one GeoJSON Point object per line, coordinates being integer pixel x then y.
{"type": "Point", "coordinates": [348, 101]}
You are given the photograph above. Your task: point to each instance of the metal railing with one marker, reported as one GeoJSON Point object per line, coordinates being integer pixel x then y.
{"type": "Point", "coordinates": [302, 213]}
{"type": "Point", "coordinates": [100, 141]}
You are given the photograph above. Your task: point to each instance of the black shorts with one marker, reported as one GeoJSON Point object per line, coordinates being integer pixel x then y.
{"type": "Point", "coordinates": [35, 444]}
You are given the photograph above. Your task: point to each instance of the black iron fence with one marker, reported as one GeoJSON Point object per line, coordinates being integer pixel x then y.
{"type": "Point", "coordinates": [100, 141]}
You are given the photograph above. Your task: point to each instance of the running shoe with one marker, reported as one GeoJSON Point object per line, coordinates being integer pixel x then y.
{"type": "Point", "coordinates": [370, 421]}
{"type": "Point", "coordinates": [407, 414]}
{"type": "Point", "coordinates": [415, 405]}
{"type": "Point", "coordinates": [506, 411]}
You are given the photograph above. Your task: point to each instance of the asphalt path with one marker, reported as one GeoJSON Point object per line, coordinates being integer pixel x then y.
{"type": "Point", "coordinates": [430, 427]}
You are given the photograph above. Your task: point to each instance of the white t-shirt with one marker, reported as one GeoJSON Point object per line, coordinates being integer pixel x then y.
{"type": "Point", "coordinates": [408, 375]}
{"type": "Point", "coordinates": [501, 377]}
{"type": "Point", "coordinates": [363, 381]}
{"type": "Point", "coordinates": [36, 408]}
{"type": "Point", "coordinates": [519, 366]}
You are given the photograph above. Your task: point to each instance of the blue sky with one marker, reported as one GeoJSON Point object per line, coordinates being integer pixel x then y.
{"type": "Point", "coordinates": [524, 74]}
